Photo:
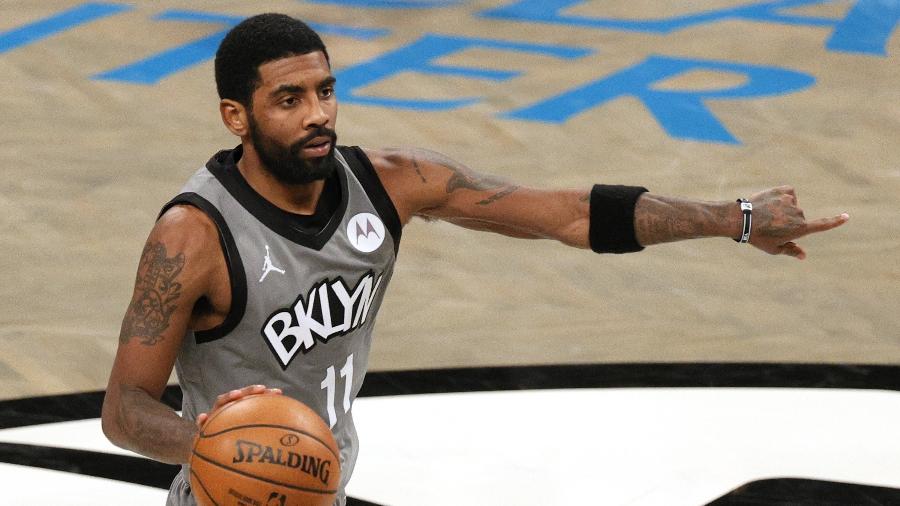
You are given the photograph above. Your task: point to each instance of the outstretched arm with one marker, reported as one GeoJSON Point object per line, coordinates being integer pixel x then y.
{"type": "Point", "coordinates": [428, 184]}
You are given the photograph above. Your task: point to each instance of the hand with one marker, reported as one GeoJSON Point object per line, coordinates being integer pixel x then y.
{"type": "Point", "coordinates": [777, 222]}
{"type": "Point", "coordinates": [233, 396]}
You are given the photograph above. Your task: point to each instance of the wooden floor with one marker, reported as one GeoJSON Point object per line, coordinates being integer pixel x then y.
{"type": "Point", "coordinates": [90, 155]}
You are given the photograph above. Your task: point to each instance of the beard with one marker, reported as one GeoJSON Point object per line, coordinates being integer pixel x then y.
{"type": "Point", "coordinates": [285, 162]}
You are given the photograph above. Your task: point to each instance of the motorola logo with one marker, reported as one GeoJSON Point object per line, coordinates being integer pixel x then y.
{"type": "Point", "coordinates": [365, 232]}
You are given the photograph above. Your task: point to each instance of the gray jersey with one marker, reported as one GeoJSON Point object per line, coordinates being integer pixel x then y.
{"type": "Point", "coordinates": [304, 299]}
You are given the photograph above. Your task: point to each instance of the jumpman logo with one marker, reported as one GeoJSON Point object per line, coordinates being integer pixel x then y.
{"type": "Point", "coordinates": [268, 266]}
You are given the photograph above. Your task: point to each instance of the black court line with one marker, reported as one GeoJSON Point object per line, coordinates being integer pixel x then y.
{"type": "Point", "coordinates": [641, 375]}
{"type": "Point", "coordinates": [98, 464]}
{"type": "Point", "coordinates": [798, 491]}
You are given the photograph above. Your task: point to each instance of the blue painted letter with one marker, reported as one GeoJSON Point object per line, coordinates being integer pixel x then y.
{"type": "Point", "coordinates": [418, 57]}
{"type": "Point", "coordinates": [681, 113]}
{"type": "Point", "coordinates": [57, 23]}
{"type": "Point", "coordinates": [391, 4]}
{"type": "Point", "coordinates": [154, 68]}
{"type": "Point", "coordinates": [865, 29]}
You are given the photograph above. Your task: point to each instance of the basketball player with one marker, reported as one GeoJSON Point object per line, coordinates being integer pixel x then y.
{"type": "Point", "coordinates": [270, 266]}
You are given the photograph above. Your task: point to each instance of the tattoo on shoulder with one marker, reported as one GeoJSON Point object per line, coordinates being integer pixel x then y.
{"type": "Point", "coordinates": [157, 293]}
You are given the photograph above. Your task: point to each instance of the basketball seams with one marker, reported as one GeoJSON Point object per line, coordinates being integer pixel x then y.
{"type": "Point", "coordinates": [203, 487]}
{"type": "Point", "coordinates": [220, 411]}
{"type": "Point", "coordinates": [272, 426]}
{"type": "Point", "coordinates": [264, 419]}
{"type": "Point", "coordinates": [260, 478]}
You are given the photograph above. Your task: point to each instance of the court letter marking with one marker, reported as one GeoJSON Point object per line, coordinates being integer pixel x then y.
{"type": "Point", "coordinates": [419, 57]}
{"type": "Point", "coordinates": [58, 23]}
{"type": "Point", "coordinates": [681, 113]}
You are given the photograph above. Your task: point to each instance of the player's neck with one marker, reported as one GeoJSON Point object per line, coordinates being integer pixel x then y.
{"type": "Point", "coordinates": [293, 198]}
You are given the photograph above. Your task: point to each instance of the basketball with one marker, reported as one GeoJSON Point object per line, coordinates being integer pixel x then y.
{"type": "Point", "coordinates": [265, 450]}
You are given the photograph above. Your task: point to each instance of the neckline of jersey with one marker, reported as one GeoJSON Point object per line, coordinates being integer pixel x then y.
{"type": "Point", "coordinates": [308, 231]}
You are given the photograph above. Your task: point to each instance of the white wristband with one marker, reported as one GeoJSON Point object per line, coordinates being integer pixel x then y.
{"type": "Point", "coordinates": [747, 211]}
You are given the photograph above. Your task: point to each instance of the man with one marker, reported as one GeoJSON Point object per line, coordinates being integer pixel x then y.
{"type": "Point", "coordinates": [270, 266]}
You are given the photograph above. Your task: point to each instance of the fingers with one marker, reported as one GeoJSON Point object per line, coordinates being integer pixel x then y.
{"type": "Point", "coordinates": [790, 192]}
{"type": "Point", "coordinates": [234, 395]}
{"type": "Point", "coordinates": [237, 394]}
{"type": "Point", "coordinates": [242, 392]}
{"type": "Point", "coordinates": [824, 224]}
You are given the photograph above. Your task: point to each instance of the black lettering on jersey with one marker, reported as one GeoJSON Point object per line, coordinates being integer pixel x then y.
{"type": "Point", "coordinates": [329, 310]}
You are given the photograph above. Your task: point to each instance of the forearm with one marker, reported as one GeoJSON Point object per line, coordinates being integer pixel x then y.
{"type": "Point", "coordinates": [565, 216]}
{"type": "Point", "coordinates": [142, 424]}
{"type": "Point", "coordinates": [659, 219]}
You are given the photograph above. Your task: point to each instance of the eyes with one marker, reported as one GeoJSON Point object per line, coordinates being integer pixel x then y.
{"type": "Point", "coordinates": [289, 101]}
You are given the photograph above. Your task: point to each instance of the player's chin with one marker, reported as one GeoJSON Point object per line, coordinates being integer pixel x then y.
{"type": "Point", "coordinates": [319, 168]}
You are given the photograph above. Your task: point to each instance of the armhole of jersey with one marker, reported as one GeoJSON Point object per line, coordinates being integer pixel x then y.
{"type": "Point", "coordinates": [236, 274]}
{"type": "Point", "coordinates": [365, 173]}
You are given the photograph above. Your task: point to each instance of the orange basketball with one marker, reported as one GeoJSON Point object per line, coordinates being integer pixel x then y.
{"type": "Point", "coordinates": [265, 450]}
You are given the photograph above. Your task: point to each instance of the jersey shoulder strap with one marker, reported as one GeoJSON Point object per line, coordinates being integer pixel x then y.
{"type": "Point", "coordinates": [235, 265]}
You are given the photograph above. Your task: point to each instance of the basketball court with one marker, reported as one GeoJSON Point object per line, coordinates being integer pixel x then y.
{"type": "Point", "coordinates": [504, 371]}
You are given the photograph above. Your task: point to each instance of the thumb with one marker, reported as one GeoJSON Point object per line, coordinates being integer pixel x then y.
{"type": "Point", "coordinates": [792, 249]}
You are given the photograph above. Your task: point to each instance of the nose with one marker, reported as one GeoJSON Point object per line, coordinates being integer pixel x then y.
{"type": "Point", "coordinates": [316, 116]}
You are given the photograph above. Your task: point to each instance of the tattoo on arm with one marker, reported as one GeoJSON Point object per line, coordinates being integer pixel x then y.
{"type": "Point", "coordinates": [499, 195]}
{"type": "Point", "coordinates": [663, 219]}
{"type": "Point", "coordinates": [157, 293]}
{"type": "Point", "coordinates": [418, 170]}
{"type": "Point", "coordinates": [152, 428]}
{"type": "Point", "coordinates": [464, 178]}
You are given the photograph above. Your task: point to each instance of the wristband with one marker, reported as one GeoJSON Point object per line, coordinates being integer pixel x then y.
{"type": "Point", "coordinates": [747, 212]}
{"type": "Point", "coordinates": [611, 227]}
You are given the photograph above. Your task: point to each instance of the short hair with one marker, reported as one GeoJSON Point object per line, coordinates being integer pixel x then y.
{"type": "Point", "coordinates": [255, 41]}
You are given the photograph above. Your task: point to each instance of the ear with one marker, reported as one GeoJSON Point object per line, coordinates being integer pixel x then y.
{"type": "Point", "coordinates": [235, 117]}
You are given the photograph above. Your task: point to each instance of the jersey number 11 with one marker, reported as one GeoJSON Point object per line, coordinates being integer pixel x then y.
{"type": "Point", "coordinates": [329, 385]}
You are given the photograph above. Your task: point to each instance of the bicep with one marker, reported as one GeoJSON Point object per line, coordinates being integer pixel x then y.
{"type": "Point", "coordinates": [487, 202]}
{"type": "Point", "coordinates": [430, 185]}
{"type": "Point", "coordinates": [171, 276]}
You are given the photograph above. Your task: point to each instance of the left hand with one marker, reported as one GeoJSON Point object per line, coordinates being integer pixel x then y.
{"type": "Point", "coordinates": [232, 396]}
{"type": "Point", "coordinates": [777, 222]}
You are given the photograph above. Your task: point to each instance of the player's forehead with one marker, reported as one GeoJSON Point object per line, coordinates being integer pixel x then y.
{"type": "Point", "coordinates": [308, 70]}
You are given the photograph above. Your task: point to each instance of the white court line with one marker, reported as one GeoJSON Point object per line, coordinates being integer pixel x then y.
{"type": "Point", "coordinates": [670, 446]}
{"type": "Point", "coordinates": [77, 435]}
{"type": "Point", "coordinates": [28, 485]}
{"type": "Point", "coordinates": [618, 446]}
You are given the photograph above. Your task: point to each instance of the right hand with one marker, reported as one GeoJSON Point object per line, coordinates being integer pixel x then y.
{"type": "Point", "coordinates": [778, 221]}
{"type": "Point", "coordinates": [233, 396]}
